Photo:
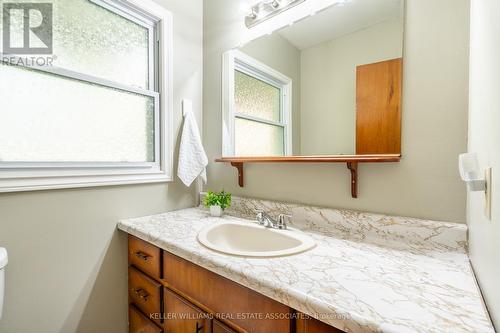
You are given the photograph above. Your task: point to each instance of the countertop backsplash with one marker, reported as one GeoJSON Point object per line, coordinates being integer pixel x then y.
{"type": "Point", "coordinates": [398, 232]}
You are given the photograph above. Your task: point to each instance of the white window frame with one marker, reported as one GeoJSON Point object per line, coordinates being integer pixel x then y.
{"type": "Point", "coordinates": [28, 176]}
{"type": "Point", "coordinates": [237, 60]}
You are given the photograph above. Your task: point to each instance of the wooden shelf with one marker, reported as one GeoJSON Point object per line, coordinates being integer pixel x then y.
{"type": "Point", "coordinates": [352, 162]}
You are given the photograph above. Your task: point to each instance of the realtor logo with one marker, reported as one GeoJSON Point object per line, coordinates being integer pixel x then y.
{"type": "Point", "coordinates": [27, 28]}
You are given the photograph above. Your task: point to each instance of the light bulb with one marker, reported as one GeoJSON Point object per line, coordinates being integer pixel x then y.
{"type": "Point", "coordinates": [273, 3]}
{"type": "Point", "coordinates": [253, 15]}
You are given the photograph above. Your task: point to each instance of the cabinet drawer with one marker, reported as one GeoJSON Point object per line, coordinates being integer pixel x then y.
{"type": "Point", "coordinates": [183, 317]}
{"type": "Point", "coordinates": [222, 296]}
{"type": "Point", "coordinates": [145, 293]}
{"type": "Point", "coordinates": [144, 256]}
{"type": "Point", "coordinates": [138, 323]}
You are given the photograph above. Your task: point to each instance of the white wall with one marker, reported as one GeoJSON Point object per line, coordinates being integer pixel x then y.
{"type": "Point", "coordinates": [425, 184]}
{"type": "Point", "coordinates": [278, 53]}
{"type": "Point", "coordinates": [67, 268]}
{"type": "Point", "coordinates": [328, 93]}
{"type": "Point", "coordinates": [484, 139]}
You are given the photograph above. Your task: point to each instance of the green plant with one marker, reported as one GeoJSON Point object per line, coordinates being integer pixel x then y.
{"type": "Point", "coordinates": [221, 199]}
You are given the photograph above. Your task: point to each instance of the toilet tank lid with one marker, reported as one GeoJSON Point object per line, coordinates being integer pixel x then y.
{"type": "Point", "coordinates": [3, 257]}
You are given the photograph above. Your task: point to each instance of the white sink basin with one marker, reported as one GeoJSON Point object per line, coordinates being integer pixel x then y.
{"type": "Point", "coordinates": [253, 240]}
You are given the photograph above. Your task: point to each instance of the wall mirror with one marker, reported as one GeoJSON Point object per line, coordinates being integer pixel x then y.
{"type": "Point", "coordinates": [328, 84]}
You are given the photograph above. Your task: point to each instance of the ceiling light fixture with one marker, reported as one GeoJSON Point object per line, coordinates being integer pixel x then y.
{"type": "Point", "coordinates": [275, 3]}
{"type": "Point", "coordinates": [266, 9]}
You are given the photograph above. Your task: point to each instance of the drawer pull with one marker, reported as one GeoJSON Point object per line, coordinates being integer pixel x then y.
{"type": "Point", "coordinates": [142, 294]}
{"type": "Point", "coordinates": [142, 255]}
{"type": "Point", "coordinates": [198, 327]}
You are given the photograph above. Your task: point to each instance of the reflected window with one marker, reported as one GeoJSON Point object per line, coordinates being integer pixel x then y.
{"type": "Point", "coordinates": [261, 110]}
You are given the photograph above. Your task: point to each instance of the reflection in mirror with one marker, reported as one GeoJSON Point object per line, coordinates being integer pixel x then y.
{"type": "Point", "coordinates": [329, 84]}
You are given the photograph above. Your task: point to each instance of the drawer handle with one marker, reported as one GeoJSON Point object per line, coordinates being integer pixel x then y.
{"type": "Point", "coordinates": [198, 327]}
{"type": "Point", "coordinates": [142, 294]}
{"type": "Point", "coordinates": [142, 255]}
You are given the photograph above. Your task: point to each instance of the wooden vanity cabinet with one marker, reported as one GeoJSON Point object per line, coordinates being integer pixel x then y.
{"type": "Point", "coordinates": [168, 294]}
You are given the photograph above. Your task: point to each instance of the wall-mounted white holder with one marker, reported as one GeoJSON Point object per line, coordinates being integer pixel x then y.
{"type": "Point", "coordinates": [475, 179]}
{"type": "Point", "coordinates": [469, 171]}
{"type": "Point", "coordinates": [3, 262]}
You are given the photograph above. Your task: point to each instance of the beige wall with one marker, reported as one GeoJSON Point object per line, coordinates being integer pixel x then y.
{"type": "Point", "coordinates": [328, 93]}
{"type": "Point", "coordinates": [425, 184]}
{"type": "Point", "coordinates": [279, 54]}
{"type": "Point", "coordinates": [67, 262]}
{"type": "Point", "coordinates": [484, 139]}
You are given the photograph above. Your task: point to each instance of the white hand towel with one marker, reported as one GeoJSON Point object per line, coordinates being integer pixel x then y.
{"type": "Point", "coordinates": [192, 157]}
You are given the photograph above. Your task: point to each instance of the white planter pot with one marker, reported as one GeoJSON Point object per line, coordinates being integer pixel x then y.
{"type": "Point", "coordinates": [216, 211]}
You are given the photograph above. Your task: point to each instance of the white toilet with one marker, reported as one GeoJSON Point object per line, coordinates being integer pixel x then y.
{"type": "Point", "coordinates": [3, 263]}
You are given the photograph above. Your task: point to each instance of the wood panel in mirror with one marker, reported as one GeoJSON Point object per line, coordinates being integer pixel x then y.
{"type": "Point", "coordinates": [378, 108]}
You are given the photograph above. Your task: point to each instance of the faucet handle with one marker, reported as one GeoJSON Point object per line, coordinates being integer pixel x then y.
{"type": "Point", "coordinates": [282, 220]}
{"type": "Point", "coordinates": [260, 216]}
{"type": "Point", "coordinates": [284, 216]}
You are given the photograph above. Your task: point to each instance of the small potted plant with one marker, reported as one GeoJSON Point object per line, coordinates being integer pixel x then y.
{"type": "Point", "coordinates": [217, 202]}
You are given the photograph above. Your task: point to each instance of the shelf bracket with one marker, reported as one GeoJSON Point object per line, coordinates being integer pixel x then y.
{"type": "Point", "coordinates": [239, 166]}
{"type": "Point", "coordinates": [353, 167]}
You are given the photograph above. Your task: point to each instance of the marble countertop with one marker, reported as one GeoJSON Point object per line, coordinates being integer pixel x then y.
{"type": "Point", "coordinates": [350, 283]}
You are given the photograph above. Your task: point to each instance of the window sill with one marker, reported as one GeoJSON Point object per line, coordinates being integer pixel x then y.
{"type": "Point", "coordinates": [50, 183]}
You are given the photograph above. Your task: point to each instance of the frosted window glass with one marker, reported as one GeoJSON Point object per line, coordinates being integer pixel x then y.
{"type": "Point", "coordinates": [48, 118]}
{"type": "Point", "coordinates": [93, 40]}
{"type": "Point", "coordinates": [257, 139]}
{"type": "Point", "coordinates": [256, 98]}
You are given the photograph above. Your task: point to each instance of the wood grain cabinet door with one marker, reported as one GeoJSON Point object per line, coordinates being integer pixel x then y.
{"type": "Point", "coordinates": [183, 317]}
{"type": "Point", "coordinates": [378, 108]}
{"type": "Point", "coordinates": [218, 327]}
{"type": "Point", "coordinates": [138, 323]}
{"type": "Point", "coordinates": [311, 325]}
{"type": "Point", "coordinates": [222, 296]}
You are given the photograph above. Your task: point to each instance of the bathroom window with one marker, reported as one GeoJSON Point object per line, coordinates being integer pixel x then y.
{"type": "Point", "coordinates": [257, 108]}
{"type": "Point", "coordinates": [98, 111]}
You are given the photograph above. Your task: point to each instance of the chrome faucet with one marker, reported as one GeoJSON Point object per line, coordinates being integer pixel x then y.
{"type": "Point", "coordinates": [267, 221]}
